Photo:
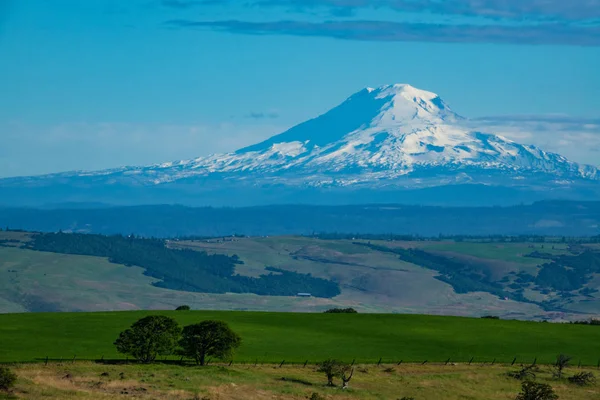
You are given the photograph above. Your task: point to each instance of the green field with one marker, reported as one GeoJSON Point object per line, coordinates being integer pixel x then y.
{"type": "Point", "coordinates": [296, 337]}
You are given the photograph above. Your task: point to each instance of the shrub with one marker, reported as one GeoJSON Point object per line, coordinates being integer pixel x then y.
{"type": "Point", "coordinates": [341, 311]}
{"type": "Point", "coordinates": [490, 317]}
{"type": "Point", "coordinates": [7, 378]}
{"type": "Point", "coordinates": [562, 362]}
{"type": "Point", "coordinates": [536, 391]}
{"type": "Point", "coordinates": [184, 307]}
{"type": "Point", "coordinates": [525, 373]}
{"type": "Point", "coordinates": [582, 379]}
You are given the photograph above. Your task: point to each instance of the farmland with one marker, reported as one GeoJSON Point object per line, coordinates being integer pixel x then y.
{"type": "Point", "coordinates": [297, 337]}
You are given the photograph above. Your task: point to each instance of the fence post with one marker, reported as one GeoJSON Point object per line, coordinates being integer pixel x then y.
{"type": "Point", "coordinates": [534, 361]}
{"type": "Point", "coordinates": [73, 360]}
{"type": "Point", "coordinates": [281, 365]}
{"type": "Point", "coordinates": [579, 365]}
{"type": "Point", "coordinates": [514, 361]}
{"type": "Point", "coordinates": [256, 362]}
{"type": "Point", "coordinates": [424, 362]}
{"type": "Point", "coordinates": [353, 361]}
{"type": "Point", "coordinates": [471, 360]}
{"type": "Point", "coordinates": [46, 363]}
{"type": "Point", "coordinates": [447, 361]}
{"type": "Point", "coordinates": [305, 362]}
{"type": "Point", "coordinates": [400, 362]}
{"type": "Point", "coordinates": [230, 362]}
{"type": "Point", "coordinates": [598, 366]}
{"type": "Point", "coordinates": [493, 362]}
{"type": "Point", "coordinates": [379, 362]}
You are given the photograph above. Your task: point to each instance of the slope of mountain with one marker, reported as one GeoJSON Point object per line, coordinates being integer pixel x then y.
{"type": "Point", "coordinates": [375, 146]}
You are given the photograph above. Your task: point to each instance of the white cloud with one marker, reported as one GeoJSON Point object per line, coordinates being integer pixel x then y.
{"type": "Point", "coordinates": [578, 139]}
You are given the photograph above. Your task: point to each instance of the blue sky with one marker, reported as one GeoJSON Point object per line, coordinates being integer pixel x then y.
{"type": "Point", "coordinates": [102, 83]}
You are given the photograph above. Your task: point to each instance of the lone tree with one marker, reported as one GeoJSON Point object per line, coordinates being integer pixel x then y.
{"type": "Point", "coordinates": [149, 337]}
{"type": "Point", "coordinates": [208, 338]}
{"type": "Point", "coordinates": [536, 391]}
{"type": "Point", "coordinates": [184, 307]}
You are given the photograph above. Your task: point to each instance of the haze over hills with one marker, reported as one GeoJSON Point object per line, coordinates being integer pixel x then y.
{"type": "Point", "coordinates": [394, 143]}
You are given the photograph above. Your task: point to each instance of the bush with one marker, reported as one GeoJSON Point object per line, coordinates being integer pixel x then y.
{"type": "Point", "coordinates": [525, 373]}
{"type": "Point", "coordinates": [7, 378]}
{"type": "Point", "coordinates": [341, 311]}
{"type": "Point", "coordinates": [562, 362]}
{"type": "Point", "coordinates": [490, 317]}
{"type": "Point", "coordinates": [582, 379]}
{"type": "Point", "coordinates": [536, 391]}
{"type": "Point", "coordinates": [183, 308]}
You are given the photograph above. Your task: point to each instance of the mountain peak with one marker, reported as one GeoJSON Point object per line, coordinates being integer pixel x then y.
{"type": "Point", "coordinates": [405, 103]}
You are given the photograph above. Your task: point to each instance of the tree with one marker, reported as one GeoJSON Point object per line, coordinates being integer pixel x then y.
{"type": "Point", "coordinates": [346, 372]}
{"type": "Point", "coordinates": [184, 307]}
{"type": "Point", "coordinates": [536, 391]}
{"type": "Point", "coordinates": [562, 362]}
{"type": "Point", "coordinates": [331, 368]}
{"type": "Point", "coordinates": [334, 368]}
{"type": "Point", "coordinates": [149, 337]}
{"type": "Point", "coordinates": [208, 338]}
{"type": "Point", "coordinates": [7, 378]}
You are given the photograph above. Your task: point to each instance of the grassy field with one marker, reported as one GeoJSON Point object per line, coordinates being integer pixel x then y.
{"type": "Point", "coordinates": [273, 337]}
{"type": "Point", "coordinates": [164, 382]}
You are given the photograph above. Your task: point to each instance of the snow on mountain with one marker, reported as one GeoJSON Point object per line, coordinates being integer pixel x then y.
{"type": "Point", "coordinates": [391, 135]}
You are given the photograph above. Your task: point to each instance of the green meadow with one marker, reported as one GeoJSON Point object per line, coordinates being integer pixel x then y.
{"type": "Point", "coordinates": [297, 337]}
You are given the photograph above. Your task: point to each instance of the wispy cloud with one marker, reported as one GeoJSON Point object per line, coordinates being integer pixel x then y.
{"type": "Point", "coordinates": [263, 115]}
{"type": "Point", "coordinates": [560, 134]}
{"type": "Point", "coordinates": [386, 31]}
{"type": "Point", "coordinates": [564, 10]}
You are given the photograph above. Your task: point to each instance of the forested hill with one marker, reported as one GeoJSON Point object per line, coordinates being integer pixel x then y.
{"type": "Point", "coordinates": [187, 270]}
{"type": "Point", "coordinates": [553, 218]}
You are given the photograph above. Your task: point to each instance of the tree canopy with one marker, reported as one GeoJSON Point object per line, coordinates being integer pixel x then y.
{"type": "Point", "coordinates": [149, 337]}
{"type": "Point", "coordinates": [208, 339]}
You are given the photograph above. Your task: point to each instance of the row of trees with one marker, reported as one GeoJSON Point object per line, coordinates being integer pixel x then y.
{"type": "Point", "coordinates": [157, 335]}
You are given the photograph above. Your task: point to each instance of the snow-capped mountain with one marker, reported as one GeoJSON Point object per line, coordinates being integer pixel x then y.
{"type": "Point", "coordinates": [394, 137]}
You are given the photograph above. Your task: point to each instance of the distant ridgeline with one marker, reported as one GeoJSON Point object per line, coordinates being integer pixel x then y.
{"type": "Point", "coordinates": [187, 270]}
{"type": "Point", "coordinates": [553, 218]}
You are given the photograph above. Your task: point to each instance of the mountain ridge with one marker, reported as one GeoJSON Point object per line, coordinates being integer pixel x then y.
{"type": "Point", "coordinates": [391, 137]}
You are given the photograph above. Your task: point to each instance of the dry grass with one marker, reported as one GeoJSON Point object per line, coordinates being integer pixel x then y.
{"type": "Point", "coordinates": [451, 382]}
